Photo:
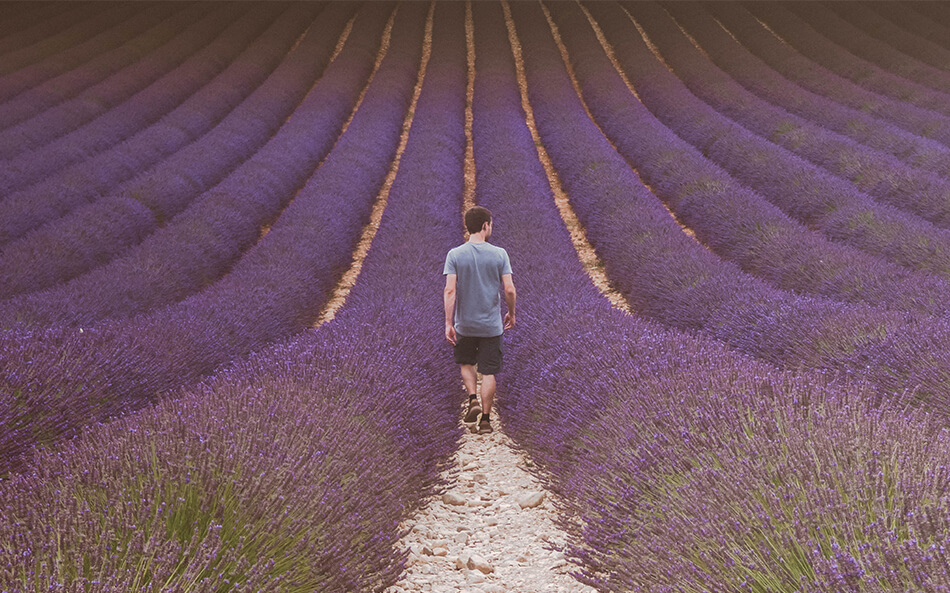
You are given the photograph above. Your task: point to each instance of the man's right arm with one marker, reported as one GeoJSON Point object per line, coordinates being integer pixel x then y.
{"type": "Point", "coordinates": [448, 298]}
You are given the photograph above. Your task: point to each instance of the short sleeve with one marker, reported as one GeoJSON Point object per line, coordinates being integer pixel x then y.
{"type": "Point", "coordinates": [506, 263]}
{"type": "Point", "coordinates": [449, 264]}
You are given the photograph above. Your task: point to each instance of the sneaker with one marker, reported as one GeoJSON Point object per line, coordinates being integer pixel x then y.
{"type": "Point", "coordinates": [474, 411]}
{"type": "Point", "coordinates": [484, 426]}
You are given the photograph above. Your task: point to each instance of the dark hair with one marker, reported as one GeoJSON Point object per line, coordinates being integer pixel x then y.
{"type": "Point", "coordinates": [476, 217]}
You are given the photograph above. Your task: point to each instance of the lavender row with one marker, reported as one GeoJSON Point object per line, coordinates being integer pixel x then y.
{"type": "Point", "coordinates": [293, 470]}
{"type": "Point", "coordinates": [801, 189]}
{"type": "Point", "coordinates": [903, 49]}
{"type": "Point", "coordinates": [218, 225]}
{"type": "Point", "coordinates": [669, 277]}
{"type": "Point", "coordinates": [29, 91]}
{"type": "Point", "coordinates": [61, 100]}
{"type": "Point", "coordinates": [64, 135]}
{"type": "Point", "coordinates": [818, 80]}
{"type": "Point", "coordinates": [910, 20]}
{"type": "Point", "coordinates": [65, 31]}
{"type": "Point", "coordinates": [96, 233]}
{"type": "Point", "coordinates": [222, 30]}
{"type": "Point", "coordinates": [858, 42]}
{"type": "Point", "coordinates": [828, 53]}
{"type": "Point", "coordinates": [87, 181]}
{"type": "Point", "coordinates": [65, 379]}
{"type": "Point", "coordinates": [620, 413]}
{"type": "Point", "coordinates": [890, 170]}
{"type": "Point", "coordinates": [150, 24]}
{"type": "Point", "coordinates": [734, 222]}
{"type": "Point", "coordinates": [28, 22]}
{"type": "Point", "coordinates": [937, 20]}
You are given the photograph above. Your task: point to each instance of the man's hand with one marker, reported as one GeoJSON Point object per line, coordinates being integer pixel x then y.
{"type": "Point", "coordinates": [509, 321]}
{"type": "Point", "coordinates": [450, 333]}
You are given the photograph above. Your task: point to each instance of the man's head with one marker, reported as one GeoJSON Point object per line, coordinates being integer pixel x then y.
{"type": "Point", "coordinates": [476, 218]}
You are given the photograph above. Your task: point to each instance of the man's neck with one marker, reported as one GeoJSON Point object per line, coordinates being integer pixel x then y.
{"type": "Point", "coordinates": [477, 238]}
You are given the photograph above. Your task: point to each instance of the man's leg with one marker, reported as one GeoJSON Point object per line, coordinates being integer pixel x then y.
{"type": "Point", "coordinates": [469, 378]}
{"type": "Point", "coordinates": [488, 393]}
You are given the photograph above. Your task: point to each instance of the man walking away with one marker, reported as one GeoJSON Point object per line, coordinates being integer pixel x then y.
{"type": "Point", "coordinates": [474, 273]}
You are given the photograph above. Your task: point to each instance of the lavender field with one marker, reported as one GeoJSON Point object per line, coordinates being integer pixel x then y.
{"type": "Point", "coordinates": [222, 229]}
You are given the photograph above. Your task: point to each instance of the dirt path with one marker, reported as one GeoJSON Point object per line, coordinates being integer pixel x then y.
{"type": "Point", "coordinates": [481, 525]}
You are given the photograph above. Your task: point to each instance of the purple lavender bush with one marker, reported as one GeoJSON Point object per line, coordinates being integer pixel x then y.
{"type": "Point", "coordinates": [224, 222]}
{"type": "Point", "coordinates": [98, 232]}
{"type": "Point", "coordinates": [78, 129]}
{"type": "Point", "coordinates": [87, 181]}
{"type": "Point", "coordinates": [905, 52]}
{"type": "Point", "coordinates": [63, 32]}
{"type": "Point", "coordinates": [89, 62]}
{"type": "Point", "coordinates": [667, 276]}
{"type": "Point", "coordinates": [25, 23]}
{"type": "Point", "coordinates": [812, 77]}
{"type": "Point", "coordinates": [290, 471]}
{"type": "Point", "coordinates": [825, 50]}
{"type": "Point", "coordinates": [276, 290]}
{"type": "Point", "coordinates": [729, 219]}
{"type": "Point", "coordinates": [691, 467]}
{"type": "Point", "coordinates": [879, 159]}
{"type": "Point", "coordinates": [802, 190]}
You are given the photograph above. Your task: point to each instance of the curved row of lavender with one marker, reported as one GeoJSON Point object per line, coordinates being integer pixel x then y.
{"type": "Point", "coordinates": [217, 226]}
{"type": "Point", "coordinates": [86, 181]}
{"type": "Point", "coordinates": [172, 163]}
{"type": "Point", "coordinates": [669, 277]}
{"type": "Point", "coordinates": [753, 55]}
{"type": "Point", "coordinates": [27, 23]}
{"type": "Point", "coordinates": [879, 160]}
{"type": "Point", "coordinates": [802, 190]}
{"type": "Point", "coordinates": [64, 31]}
{"type": "Point", "coordinates": [80, 128]}
{"type": "Point", "coordinates": [293, 470]}
{"type": "Point", "coordinates": [904, 34]}
{"type": "Point", "coordinates": [920, 19]}
{"type": "Point", "coordinates": [667, 447]}
{"type": "Point", "coordinates": [23, 103]}
{"type": "Point", "coordinates": [734, 222]}
{"type": "Point", "coordinates": [56, 381]}
{"type": "Point", "coordinates": [24, 97]}
{"type": "Point", "coordinates": [110, 50]}
{"type": "Point", "coordinates": [828, 52]}
{"type": "Point", "coordinates": [900, 51]}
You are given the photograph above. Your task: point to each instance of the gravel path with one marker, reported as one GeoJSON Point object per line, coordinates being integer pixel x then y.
{"type": "Point", "coordinates": [485, 533]}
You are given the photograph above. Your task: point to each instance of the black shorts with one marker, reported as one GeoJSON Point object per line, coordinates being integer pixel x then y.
{"type": "Point", "coordinates": [485, 352]}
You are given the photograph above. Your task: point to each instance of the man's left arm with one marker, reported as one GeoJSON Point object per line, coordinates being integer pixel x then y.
{"type": "Point", "coordinates": [511, 296]}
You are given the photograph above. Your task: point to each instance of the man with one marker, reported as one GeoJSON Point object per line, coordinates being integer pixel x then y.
{"type": "Point", "coordinates": [474, 272]}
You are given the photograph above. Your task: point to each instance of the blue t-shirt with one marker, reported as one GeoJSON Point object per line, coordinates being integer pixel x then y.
{"type": "Point", "coordinates": [479, 268]}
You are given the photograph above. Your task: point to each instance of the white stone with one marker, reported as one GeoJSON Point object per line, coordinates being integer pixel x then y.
{"type": "Point", "coordinates": [452, 498]}
{"type": "Point", "coordinates": [474, 577]}
{"type": "Point", "coordinates": [531, 500]}
{"type": "Point", "coordinates": [476, 562]}
{"type": "Point", "coordinates": [440, 552]}
{"type": "Point", "coordinates": [462, 561]}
